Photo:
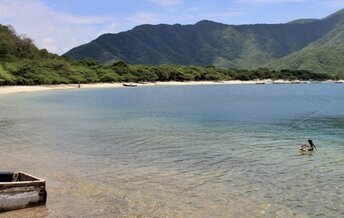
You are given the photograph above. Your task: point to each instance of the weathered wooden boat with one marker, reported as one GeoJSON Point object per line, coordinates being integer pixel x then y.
{"type": "Point", "coordinates": [129, 84]}
{"type": "Point", "coordinates": [20, 190]}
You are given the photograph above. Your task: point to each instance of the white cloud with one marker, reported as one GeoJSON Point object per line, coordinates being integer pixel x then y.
{"type": "Point", "coordinates": [336, 3]}
{"type": "Point", "coordinates": [167, 3]}
{"type": "Point", "coordinates": [144, 18]}
{"type": "Point", "coordinates": [49, 43]}
{"type": "Point", "coordinates": [270, 1]}
{"type": "Point", "coordinates": [54, 30]}
{"type": "Point", "coordinates": [223, 14]}
{"type": "Point", "coordinates": [328, 3]}
{"type": "Point", "coordinates": [333, 4]}
{"type": "Point", "coordinates": [193, 15]}
{"type": "Point", "coordinates": [71, 19]}
{"type": "Point", "coordinates": [193, 9]}
{"type": "Point", "coordinates": [110, 28]}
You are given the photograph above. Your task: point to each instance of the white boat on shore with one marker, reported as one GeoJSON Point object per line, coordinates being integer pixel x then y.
{"type": "Point", "coordinates": [129, 84]}
{"type": "Point", "coordinates": [20, 190]}
{"type": "Point", "coordinates": [279, 82]}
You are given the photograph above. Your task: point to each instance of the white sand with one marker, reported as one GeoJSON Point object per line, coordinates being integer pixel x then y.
{"type": "Point", "coordinates": [22, 89]}
{"type": "Point", "coordinates": [4, 90]}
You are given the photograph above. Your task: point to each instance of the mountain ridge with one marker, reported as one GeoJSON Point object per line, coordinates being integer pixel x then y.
{"type": "Point", "coordinates": [22, 63]}
{"type": "Point", "coordinates": [210, 43]}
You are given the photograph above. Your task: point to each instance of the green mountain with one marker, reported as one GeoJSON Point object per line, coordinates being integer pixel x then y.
{"type": "Point", "coordinates": [323, 55]}
{"type": "Point", "coordinates": [22, 63]}
{"type": "Point", "coordinates": [287, 45]}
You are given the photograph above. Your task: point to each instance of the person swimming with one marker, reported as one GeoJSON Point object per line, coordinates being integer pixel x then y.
{"type": "Point", "coordinates": [308, 147]}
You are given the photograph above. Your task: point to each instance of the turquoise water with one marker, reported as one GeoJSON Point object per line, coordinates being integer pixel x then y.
{"type": "Point", "coordinates": [186, 151]}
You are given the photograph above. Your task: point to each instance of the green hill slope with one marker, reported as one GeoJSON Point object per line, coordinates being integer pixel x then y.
{"type": "Point", "coordinates": [22, 63]}
{"type": "Point", "coordinates": [325, 55]}
{"type": "Point", "coordinates": [208, 43]}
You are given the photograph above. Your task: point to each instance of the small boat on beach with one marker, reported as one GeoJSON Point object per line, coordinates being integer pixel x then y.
{"type": "Point", "coordinates": [129, 84]}
{"type": "Point", "coordinates": [20, 190]}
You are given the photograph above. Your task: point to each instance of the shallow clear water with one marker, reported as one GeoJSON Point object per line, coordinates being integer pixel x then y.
{"type": "Point", "coordinates": [187, 151]}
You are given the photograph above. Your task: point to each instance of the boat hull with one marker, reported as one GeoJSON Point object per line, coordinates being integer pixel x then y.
{"type": "Point", "coordinates": [27, 191]}
{"type": "Point", "coordinates": [129, 85]}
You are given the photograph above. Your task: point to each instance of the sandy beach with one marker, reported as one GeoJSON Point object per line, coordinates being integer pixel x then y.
{"type": "Point", "coordinates": [4, 90]}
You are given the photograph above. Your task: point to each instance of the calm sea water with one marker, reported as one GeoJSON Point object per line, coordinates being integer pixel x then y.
{"type": "Point", "coordinates": [187, 151]}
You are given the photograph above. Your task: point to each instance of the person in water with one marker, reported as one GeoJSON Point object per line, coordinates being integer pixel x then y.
{"type": "Point", "coordinates": [308, 147]}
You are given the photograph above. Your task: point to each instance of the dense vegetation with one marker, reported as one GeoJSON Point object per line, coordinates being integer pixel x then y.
{"type": "Point", "coordinates": [22, 63]}
{"type": "Point", "coordinates": [122, 72]}
{"type": "Point", "coordinates": [243, 46]}
{"type": "Point", "coordinates": [325, 55]}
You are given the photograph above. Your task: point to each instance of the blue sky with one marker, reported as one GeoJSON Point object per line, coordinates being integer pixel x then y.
{"type": "Point", "coordinates": [60, 25]}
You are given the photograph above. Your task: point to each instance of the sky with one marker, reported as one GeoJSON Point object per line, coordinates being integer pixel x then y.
{"type": "Point", "coordinates": [60, 25]}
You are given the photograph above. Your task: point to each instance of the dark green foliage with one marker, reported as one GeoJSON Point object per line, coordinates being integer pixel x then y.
{"type": "Point", "coordinates": [302, 44]}
{"type": "Point", "coordinates": [121, 64]}
{"type": "Point", "coordinates": [323, 56]}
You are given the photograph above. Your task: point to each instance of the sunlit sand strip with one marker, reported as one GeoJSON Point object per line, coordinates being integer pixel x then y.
{"type": "Point", "coordinates": [4, 90]}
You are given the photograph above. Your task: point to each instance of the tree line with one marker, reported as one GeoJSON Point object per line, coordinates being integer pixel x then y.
{"type": "Point", "coordinates": [22, 63]}
{"type": "Point", "coordinates": [61, 71]}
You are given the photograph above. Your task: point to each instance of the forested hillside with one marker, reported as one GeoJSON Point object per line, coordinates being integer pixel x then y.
{"type": "Point", "coordinates": [210, 43]}
{"type": "Point", "coordinates": [324, 55]}
{"type": "Point", "coordinates": [22, 63]}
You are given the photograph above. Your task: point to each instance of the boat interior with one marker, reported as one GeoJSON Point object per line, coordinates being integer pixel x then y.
{"type": "Point", "coordinates": [16, 177]}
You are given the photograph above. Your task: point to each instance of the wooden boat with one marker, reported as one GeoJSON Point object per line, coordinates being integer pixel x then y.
{"type": "Point", "coordinates": [20, 190]}
{"type": "Point", "coordinates": [129, 84]}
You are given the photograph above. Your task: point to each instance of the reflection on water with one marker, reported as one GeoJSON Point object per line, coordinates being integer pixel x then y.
{"type": "Point", "coordinates": [204, 151]}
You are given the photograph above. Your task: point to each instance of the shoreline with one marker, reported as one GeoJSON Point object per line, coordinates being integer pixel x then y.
{"type": "Point", "coordinates": [6, 90]}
